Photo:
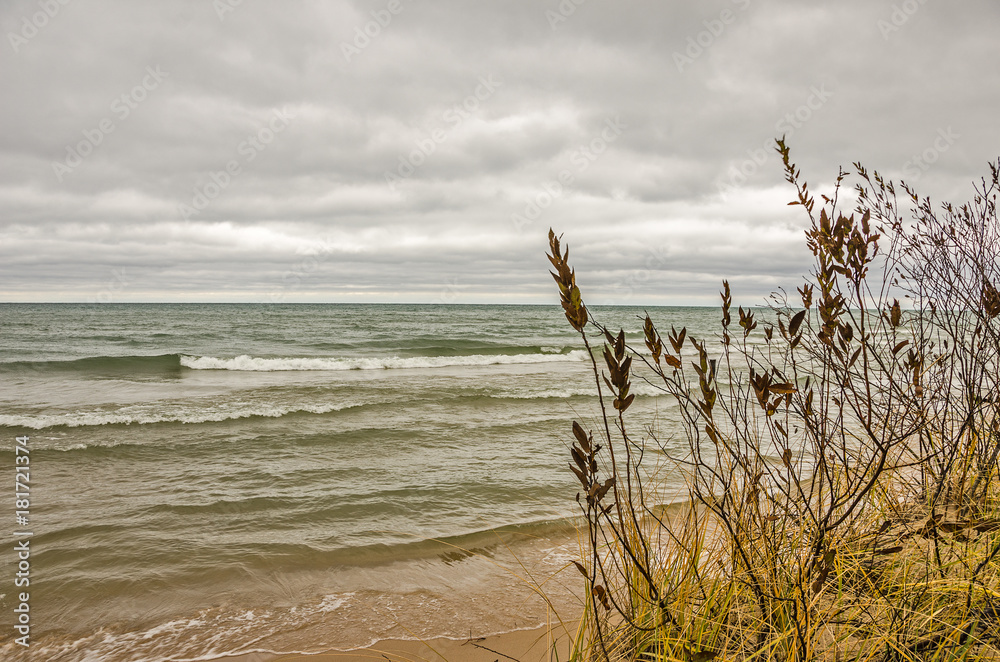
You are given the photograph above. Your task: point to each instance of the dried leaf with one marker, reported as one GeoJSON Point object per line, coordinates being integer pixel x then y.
{"type": "Point", "coordinates": [622, 405]}
{"type": "Point", "coordinates": [793, 326]}
{"type": "Point", "coordinates": [677, 339]}
{"type": "Point", "coordinates": [653, 342]}
{"type": "Point", "coordinates": [806, 292]}
{"type": "Point", "coordinates": [602, 595]}
{"type": "Point", "coordinates": [895, 313]}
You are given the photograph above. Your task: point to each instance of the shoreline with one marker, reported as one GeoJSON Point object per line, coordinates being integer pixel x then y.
{"type": "Point", "coordinates": [540, 644]}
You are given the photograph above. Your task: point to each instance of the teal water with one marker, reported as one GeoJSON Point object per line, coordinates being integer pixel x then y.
{"type": "Point", "coordinates": [215, 478]}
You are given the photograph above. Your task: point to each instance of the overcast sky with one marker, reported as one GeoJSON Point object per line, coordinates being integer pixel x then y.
{"type": "Point", "coordinates": [419, 150]}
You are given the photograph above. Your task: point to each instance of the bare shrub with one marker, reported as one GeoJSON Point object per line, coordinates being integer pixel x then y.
{"type": "Point", "coordinates": [841, 456]}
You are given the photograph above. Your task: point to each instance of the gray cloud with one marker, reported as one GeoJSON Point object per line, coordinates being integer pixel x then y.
{"type": "Point", "coordinates": [280, 150]}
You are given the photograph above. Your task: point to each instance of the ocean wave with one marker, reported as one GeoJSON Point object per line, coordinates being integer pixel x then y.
{"type": "Point", "coordinates": [553, 393]}
{"type": "Point", "coordinates": [248, 363]}
{"type": "Point", "coordinates": [638, 388]}
{"type": "Point", "coordinates": [139, 365]}
{"type": "Point", "coordinates": [200, 415]}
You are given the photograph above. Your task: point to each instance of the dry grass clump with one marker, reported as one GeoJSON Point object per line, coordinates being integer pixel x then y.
{"type": "Point", "coordinates": [841, 455]}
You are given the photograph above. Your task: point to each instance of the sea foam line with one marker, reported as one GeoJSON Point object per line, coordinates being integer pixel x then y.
{"type": "Point", "coordinates": [248, 363]}
{"type": "Point", "coordinates": [84, 419]}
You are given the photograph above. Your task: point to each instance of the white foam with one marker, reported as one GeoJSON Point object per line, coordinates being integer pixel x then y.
{"type": "Point", "coordinates": [334, 601]}
{"type": "Point", "coordinates": [248, 363]}
{"type": "Point", "coordinates": [639, 388]}
{"type": "Point", "coordinates": [172, 626]}
{"type": "Point", "coordinates": [177, 415]}
{"type": "Point", "coordinates": [548, 393]}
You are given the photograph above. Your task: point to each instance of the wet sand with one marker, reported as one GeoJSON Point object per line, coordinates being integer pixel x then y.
{"type": "Point", "coordinates": [536, 645]}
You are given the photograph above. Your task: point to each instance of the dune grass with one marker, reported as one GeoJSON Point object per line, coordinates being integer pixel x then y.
{"type": "Point", "coordinates": [840, 451]}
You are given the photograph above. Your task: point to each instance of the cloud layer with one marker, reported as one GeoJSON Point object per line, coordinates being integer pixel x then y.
{"type": "Point", "coordinates": [410, 150]}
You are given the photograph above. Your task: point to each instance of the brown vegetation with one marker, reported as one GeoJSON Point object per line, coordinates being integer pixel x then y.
{"type": "Point", "coordinates": [841, 453]}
